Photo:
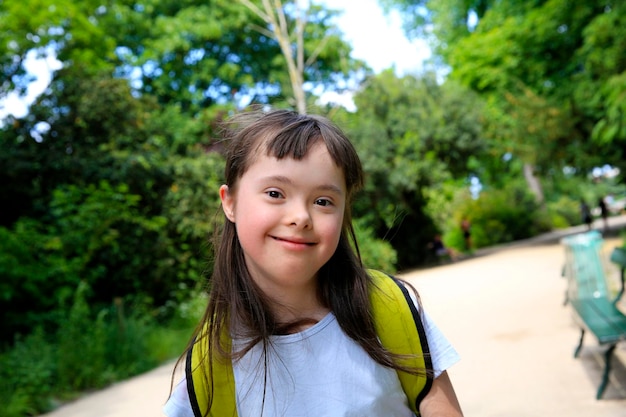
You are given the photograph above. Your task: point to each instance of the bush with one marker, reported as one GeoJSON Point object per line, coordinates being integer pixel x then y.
{"type": "Point", "coordinates": [499, 216]}
{"type": "Point", "coordinates": [35, 279]}
{"type": "Point", "coordinates": [82, 347]}
{"type": "Point", "coordinates": [90, 350]}
{"type": "Point", "coordinates": [27, 376]}
{"type": "Point", "coordinates": [564, 212]}
{"type": "Point", "coordinates": [375, 253]}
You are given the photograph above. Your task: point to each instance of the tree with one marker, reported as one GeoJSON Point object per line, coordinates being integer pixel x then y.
{"type": "Point", "coordinates": [549, 70]}
{"type": "Point", "coordinates": [292, 41]}
{"type": "Point", "coordinates": [275, 18]}
{"type": "Point", "coordinates": [115, 168]}
{"type": "Point", "coordinates": [192, 54]}
{"type": "Point", "coordinates": [413, 135]}
{"type": "Point", "coordinates": [50, 27]}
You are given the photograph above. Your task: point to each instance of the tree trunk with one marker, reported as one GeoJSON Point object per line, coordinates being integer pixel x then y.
{"type": "Point", "coordinates": [533, 183]}
{"type": "Point", "coordinates": [274, 16]}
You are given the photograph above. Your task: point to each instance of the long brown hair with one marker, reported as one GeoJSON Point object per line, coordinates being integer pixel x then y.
{"type": "Point", "coordinates": [236, 304]}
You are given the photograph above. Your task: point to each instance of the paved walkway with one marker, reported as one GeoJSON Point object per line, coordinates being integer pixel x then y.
{"type": "Point", "coordinates": [502, 310]}
{"type": "Point", "coordinates": [504, 314]}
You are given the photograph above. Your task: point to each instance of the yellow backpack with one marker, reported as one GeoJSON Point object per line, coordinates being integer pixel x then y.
{"type": "Point", "coordinates": [397, 324]}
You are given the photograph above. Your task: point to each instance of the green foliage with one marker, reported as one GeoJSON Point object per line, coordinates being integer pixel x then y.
{"type": "Point", "coordinates": [448, 198]}
{"type": "Point", "coordinates": [98, 210]}
{"type": "Point", "coordinates": [499, 216]}
{"type": "Point", "coordinates": [169, 341]}
{"type": "Point", "coordinates": [610, 127]}
{"type": "Point", "coordinates": [92, 349]}
{"type": "Point", "coordinates": [564, 193]}
{"type": "Point", "coordinates": [67, 28]}
{"type": "Point", "coordinates": [375, 253]}
{"type": "Point", "coordinates": [192, 201]}
{"type": "Point", "coordinates": [564, 212]}
{"type": "Point", "coordinates": [113, 174]}
{"type": "Point", "coordinates": [601, 88]}
{"type": "Point", "coordinates": [101, 228]}
{"type": "Point", "coordinates": [542, 125]}
{"type": "Point", "coordinates": [36, 278]}
{"type": "Point", "coordinates": [413, 135]}
{"type": "Point", "coordinates": [82, 337]}
{"type": "Point", "coordinates": [126, 201]}
{"type": "Point", "coordinates": [552, 73]}
{"type": "Point", "coordinates": [28, 376]}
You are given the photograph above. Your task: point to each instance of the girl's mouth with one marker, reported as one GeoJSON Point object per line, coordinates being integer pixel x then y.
{"type": "Point", "coordinates": [294, 241]}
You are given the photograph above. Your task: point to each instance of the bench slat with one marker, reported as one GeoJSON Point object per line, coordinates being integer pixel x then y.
{"type": "Point", "coordinates": [604, 320]}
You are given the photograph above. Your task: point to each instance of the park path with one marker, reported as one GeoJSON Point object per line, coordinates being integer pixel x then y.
{"type": "Point", "coordinates": [504, 313]}
{"type": "Point", "coordinates": [502, 310]}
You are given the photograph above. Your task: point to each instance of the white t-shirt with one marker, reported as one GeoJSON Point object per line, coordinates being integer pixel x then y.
{"type": "Point", "coordinates": [319, 372]}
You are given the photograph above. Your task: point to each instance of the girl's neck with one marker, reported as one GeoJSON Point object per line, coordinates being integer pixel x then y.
{"type": "Point", "coordinates": [288, 315]}
{"type": "Point", "coordinates": [303, 311]}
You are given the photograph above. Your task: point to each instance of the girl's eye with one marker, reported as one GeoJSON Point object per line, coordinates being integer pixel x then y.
{"type": "Point", "coordinates": [323, 202]}
{"type": "Point", "coordinates": [274, 194]}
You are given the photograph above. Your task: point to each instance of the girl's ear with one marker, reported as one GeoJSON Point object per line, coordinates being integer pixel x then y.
{"type": "Point", "coordinates": [228, 203]}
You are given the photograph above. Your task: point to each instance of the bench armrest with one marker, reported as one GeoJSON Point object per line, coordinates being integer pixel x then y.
{"type": "Point", "coordinates": [618, 256]}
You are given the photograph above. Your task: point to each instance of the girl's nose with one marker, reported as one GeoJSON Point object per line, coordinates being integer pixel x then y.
{"type": "Point", "coordinates": [300, 217]}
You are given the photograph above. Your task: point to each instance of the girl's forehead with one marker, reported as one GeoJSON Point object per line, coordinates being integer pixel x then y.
{"type": "Point", "coordinates": [317, 162]}
{"type": "Point", "coordinates": [279, 145]}
{"type": "Point", "coordinates": [267, 149]}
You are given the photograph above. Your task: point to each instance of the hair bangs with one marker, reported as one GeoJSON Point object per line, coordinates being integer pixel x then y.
{"type": "Point", "coordinates": [295, 139]}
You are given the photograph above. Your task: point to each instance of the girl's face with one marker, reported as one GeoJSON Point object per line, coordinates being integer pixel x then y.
{"type": "Point", "coordinates": [288, 214]}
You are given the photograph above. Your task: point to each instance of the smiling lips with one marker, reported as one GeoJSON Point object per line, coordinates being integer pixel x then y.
{"type": "Point", "coordinates": [293, 241]}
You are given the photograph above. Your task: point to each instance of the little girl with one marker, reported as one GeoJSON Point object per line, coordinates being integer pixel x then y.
{"type": "Point", "coordinates": [290, 328]}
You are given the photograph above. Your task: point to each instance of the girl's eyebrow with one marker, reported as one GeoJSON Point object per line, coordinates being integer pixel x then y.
{"type": "Point", "coordinates": [286, 180]}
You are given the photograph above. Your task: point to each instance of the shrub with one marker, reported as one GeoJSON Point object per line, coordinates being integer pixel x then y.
{"type": "Point", "coordinates": [27, 376]}
{"type": "Point", "coordinates": [82, 346]}
{"type": "Point", "coordinates": [90, 350]}
{"type": "Point", "coordinates": [499, 216]}
{"type": "Point", "coordinates": [564, 212]}
{"type": "Point", "coordinates": [376, 253]}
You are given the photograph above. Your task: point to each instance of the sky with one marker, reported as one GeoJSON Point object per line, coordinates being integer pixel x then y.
{"type": "Point", "coordinates": [375, 38]}
{"type": "Point", "coordinates": [41, 69]}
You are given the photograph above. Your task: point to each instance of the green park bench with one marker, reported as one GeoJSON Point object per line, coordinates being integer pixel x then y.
{"type": "Point", "coordinates": [588, 294]}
